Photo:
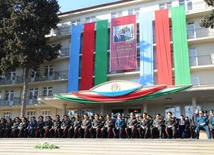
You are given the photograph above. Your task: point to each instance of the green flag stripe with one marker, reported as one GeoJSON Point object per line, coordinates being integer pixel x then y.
{"type": "Point", "coordinates": [101, 52]}
{"type": "Point", "coordinates": [180, 46]}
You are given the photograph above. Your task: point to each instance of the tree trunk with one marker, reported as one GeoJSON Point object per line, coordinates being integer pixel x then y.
{"type": "Point", "coordinates": [24, 91]}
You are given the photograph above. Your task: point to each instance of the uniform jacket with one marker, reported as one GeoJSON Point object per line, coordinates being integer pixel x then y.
{"type": "Point", "coordinates": [120, 123]}
{"type": "Point", "coordinates": [48, 124]}
{"type": "Point", "coordinates": [32, 125]}
{"type": "Point", "coordinates": [131, 122]}
{"type": "Point", "coordinates": [15, 125]}
{"type": "Point", "coordinates": [40, 124]}
{"type": "Point", "coordinates": [171, 122]}
{"type": "Point", "coordinates": [23, 125]}
{"type": "Point", "coordinates": [158, 122]}
{"type": "Point", "coordinates": [145, 122]}
{"type": "Point", "coordinates": [77, 124]}
{"type": "Point", "coordinates": [86, 124]}
{"type": "Point", "coordinates": [109, 124]}
{"type": "Point", "coordinates": [66, 124]}
{"type": "Point", "coordinates": [57, 124]}
{"type": "Point", "coordinates": [96, 123]}
{"type": "Point", "coordinates": [201, 120]}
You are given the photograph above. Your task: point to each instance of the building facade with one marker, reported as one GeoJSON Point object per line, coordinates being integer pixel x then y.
{"type": "Point", "coordinates": [57, 76]}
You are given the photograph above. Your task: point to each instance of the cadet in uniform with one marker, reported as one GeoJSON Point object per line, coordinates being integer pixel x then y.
{"type": "Point", "coordinates": [32, 127]}
{"type": "Point", "coordinates": [40, 127]}
{"type": "Point", "coordinates": [8, 127]}
{"type": "Point", "coordinates": [85, 126]}
{"type": "Point", "coordinates": [119, 129]}
{"type": "Point", "coordinates": [106, 131]}
{"type": "Point", "coordinates": [23, 127]}
{"type": "Point", "coordinates": [202, 123]}
{"type": "Point", "coordinates": [171, 125]}
{"type": "Point", "coordinates": [144, 128]}
{"type": "Point", "coordinates": [56, 126]}
{"type": "Point", "coordinates": [15, 129]}
{"type": "Point", "coordinates": [73, 130]}
{"type": "Point", "coordinates": [211, 123]}
{"type": "Point", "coordinates": [66, 123]}
{"type": "Point", "coordinates": [158, 123]}
{"type": "Point", "coordinates": [47, 126]}
{"type": "Point", "coordinates": [131, 126]}
{"type": "Point", "coordinates": [96, 125]}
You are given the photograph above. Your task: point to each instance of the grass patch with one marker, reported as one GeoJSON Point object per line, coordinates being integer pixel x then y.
{"type": "Point", "coordinates": [46, 146]}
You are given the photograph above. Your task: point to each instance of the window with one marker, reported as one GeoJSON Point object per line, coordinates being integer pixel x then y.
{"type": "Point", "coordinates": [45, 113]}
{"type": "Point", "coordinates": [186, 3]}
{"type": "Point", "coordinates": [195, 80]}
{"type": "Point", "coordinates": [75, 22]}
{"type": "Point", "coordinates": [90, 112]}
{"type": "Point", "coordinates": [191, 30]}
{"type": "Point", "coordinates": [165, 6]}
{"type": "Point", "coordinates": [189, 110]}
{"type": "Point", "coordinates": [134, 11]}
{"type": "Point", "coordinates": [175, 110]}
{"type": "Point", "coordinates": [9, 95]}
{"type": "Point", "coordinates": [193, 57]}
{"type": "Point", "coordinates": [47, 91]}
{"type": "Point", "coordinates": [31, 113]}
{"type": "Point", "coordinates": [49, 71]}
{"type": "Point", "coordinates": [7, 114]}
{"type": "Point", "coordinates": [90, 19]}
{"type": "Point", "coordinates": [116, 14]}
{"type": "Point", "coordinates": [12, 75]}
{"type": "Point", "coordinates": [33, 93]}
{"type": "Point", "coordinates": [34, 74]}
{"type": "Point", "coordinates": [72, 112]}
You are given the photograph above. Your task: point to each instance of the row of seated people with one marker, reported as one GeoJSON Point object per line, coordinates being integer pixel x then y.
{"type": "Point", "coordinates": [133, 127]}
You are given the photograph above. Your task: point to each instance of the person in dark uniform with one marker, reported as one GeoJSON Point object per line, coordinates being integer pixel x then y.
{"type": "Point", "coordinates": [131, 126]}
{"type": "Point", "coordinates": [119, 129]}
{"type": "Point", "coordinates": [157, 126]}
{"type": "Point", "coordinates": [187, 131]}
{"type": "Point", "coordinates": [48, 125]}
{"type": "Point", "coordinates": [211, 123]}
{"type": "Point", "coordinates": [106, 131]}
{"type": "Point", "coordinates": [15, 128]}
{"type": "Point", "coordinates": [23, 127]}
{"type": "Point", "coordinates": [73, 130]}
{"type": "Point", "coordinates": [32, 127]}
{"type": "Point", "coordinates": [171, 125]}
{"type": "Point", "coordinates": [194, 123]}
{"type": "Point", "coordinates": [144, 127]}
{"type": "Point", "coordinates": [96, 125]}
{"type": "Point", "coordinates": [40, 127]}
{"type": "Point", "coordinates": [63, 131]}
{"type": "Point", "coordinates": [2, 127]}
{"type": "Point", "coordinates": [56, 126]}
{"type": "Point", "coordinates": [85, 126]}
{"type": "Point", "coordinates": [182, 126]}
{"type": "Point", "coordinates": [8, 127]}
{"type": "Point", "coordinates": [202, 124]}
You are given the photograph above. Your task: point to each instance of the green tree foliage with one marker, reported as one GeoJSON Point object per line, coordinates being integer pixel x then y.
{"type": "Point", "coordinates": [208, 21]}
{"type": "Point", "coordinates": [23, 27]}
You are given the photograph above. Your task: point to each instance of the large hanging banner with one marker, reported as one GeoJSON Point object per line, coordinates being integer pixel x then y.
{"type": "Point", "coordinates": [123, 53]}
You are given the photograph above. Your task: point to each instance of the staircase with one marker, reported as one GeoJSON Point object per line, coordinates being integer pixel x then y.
{"type": "Point", "coordinates": [12, 146]}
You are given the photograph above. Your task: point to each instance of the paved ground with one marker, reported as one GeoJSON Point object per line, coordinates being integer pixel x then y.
{"type": "Point", "coordinates": [108, 147]}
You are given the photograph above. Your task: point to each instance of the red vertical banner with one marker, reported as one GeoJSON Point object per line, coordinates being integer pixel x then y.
{"type": "Point", "coordinates": [123, 55]}
{"type": "Point", "coordinates": [163, 49]}
{"type": "Point", "coordinates": [87, 57]}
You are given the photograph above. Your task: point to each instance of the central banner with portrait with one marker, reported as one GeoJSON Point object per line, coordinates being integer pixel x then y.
{"type": "Point", "coordinates": [123, 53]}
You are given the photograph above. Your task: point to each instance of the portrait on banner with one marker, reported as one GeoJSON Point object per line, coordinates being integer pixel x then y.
{"type": "Point", "coordinates": [123, 33]}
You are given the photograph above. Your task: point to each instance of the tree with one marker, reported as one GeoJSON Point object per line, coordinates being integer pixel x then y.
{"type": "Point", "coordinates": [23, 27]}
{"type": "Point", "coordinates": [208, 21]}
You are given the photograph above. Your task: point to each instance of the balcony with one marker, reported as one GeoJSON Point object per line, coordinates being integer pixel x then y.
{"type": "Point", "coordinates": [12, 102]}
{"type": "Point", "coordinates": [57, 75]}
{"type": "Point", "coordinates": [200, 33]}
{"type": "Point", "coordinates": [64, 52]}
{"type": "Point", "coordinates": [11, 80]}
{"type": "Point", "coordinates": [202, 60]}
{"type": "Point", "coordinates": [197, 7]}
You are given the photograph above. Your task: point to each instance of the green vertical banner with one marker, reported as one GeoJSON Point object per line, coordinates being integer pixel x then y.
{"type": "Point", "coordinates": [101, 52]}
{"type": "Point", "coordinates": [180, 46]}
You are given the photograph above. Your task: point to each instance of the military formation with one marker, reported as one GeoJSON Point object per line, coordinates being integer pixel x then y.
{"type": "Point", "coordinates": [140, 126]}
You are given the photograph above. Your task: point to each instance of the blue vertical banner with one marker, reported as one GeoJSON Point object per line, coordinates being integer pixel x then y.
{"type": "Point", "coordinates": [73, 68]}
{"type": "Point", "coordinates": [146, 49]}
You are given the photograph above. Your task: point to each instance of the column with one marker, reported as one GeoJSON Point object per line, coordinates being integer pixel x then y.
{"type": "Point", "coordinates": [194, 104]}
{"type": "Point", "coordinates": [64, 109]}
{"type": "Point", "coordinates": [101, 109]}
{"type": "Point", "coordinates": [145, 105]}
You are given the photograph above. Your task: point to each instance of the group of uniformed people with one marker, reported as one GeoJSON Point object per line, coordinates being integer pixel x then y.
{"type": "Point", "coordinates": [143, 126]}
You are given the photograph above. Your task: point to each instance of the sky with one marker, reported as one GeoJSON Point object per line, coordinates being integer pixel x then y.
{"type": "Point", "coordinates": [68, 5]}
